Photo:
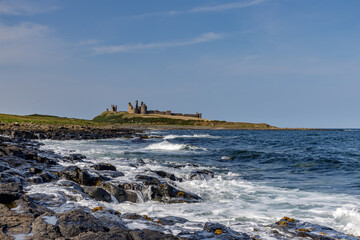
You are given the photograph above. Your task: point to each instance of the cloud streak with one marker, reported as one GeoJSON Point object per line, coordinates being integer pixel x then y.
{"type": "Point", "coordinates": [204, 9]}
{"type": "Point", "coordinates": [206, 37]}
{"type": "Point", "coordinates": [22, 7]}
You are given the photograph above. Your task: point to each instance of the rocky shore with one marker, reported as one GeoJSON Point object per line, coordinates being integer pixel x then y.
{"type": "Point", "coordinates": [24, 215]}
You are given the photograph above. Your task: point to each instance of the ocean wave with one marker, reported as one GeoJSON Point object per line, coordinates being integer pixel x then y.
{"type": "Point", "coordinates": [171, 136]}
{"type": "Point", "coordinates": [167, 146]}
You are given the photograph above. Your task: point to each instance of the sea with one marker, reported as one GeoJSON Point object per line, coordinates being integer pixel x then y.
{"type": "Point", "coordinates": [260, 176]}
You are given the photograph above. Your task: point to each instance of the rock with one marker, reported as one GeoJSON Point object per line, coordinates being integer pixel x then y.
{"type": "Point", "coordinates": [201, 175]}
{"type": "Point", "coordinates": [167, 193]}
{"type": "Point", "coordinates": [13, 223]}
{"type": "Point", "coordinates": [10, 192]}
{"type": "Point", "coordinates": [171, 220]}
{"type": "Point", "coordinates": [78, 221]}
{"type": "Point", "coordinates": [217, 230]}
{"type": "Point", "coordinates": [147, 180]}
{"type": "Point", "coordinates": [75, 157]}
{"type": "Point", "coordinates": [104, 166]}
{"type": "Point", "coordinates": [48, 177]}
{"type": "Point", "coordinates": [80, 176]}
{"type": "Point", "coordinates": [35, 170]}
{"type": "Point", "coordinates": [118, 193]}
{"type": "Point", "coordinates": [167, 175]}
{"type": "Point", "coordinates": [146, 234]}
{"type": "Point", "coordinates": [131, 196]}
{"type": "Point", "coordinates": [97, 193]}
{"type": "Point", "coordinates": [295, 228]}
{"type": "Point", "coordinates": [46, 227]}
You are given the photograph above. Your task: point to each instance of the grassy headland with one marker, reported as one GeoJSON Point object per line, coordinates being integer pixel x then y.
{"type": "Point", "coordinates": [150, 120]}
{"type": "Point", "coordinates": [124, 119]}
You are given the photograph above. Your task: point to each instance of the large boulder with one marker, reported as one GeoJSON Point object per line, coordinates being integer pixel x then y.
{"type": "Point", "coordinates": [97, 193]}
{"type": "Point", "coordinates": [10, 192]}
{"type": "Point", "coordinates": [104, 166]}
{"type": "Point", "coordinates": [78, 221]}
{"type": "Point", "coordinates": [80, 176]}
{"type": "Point", "coordinates": [119, 194]}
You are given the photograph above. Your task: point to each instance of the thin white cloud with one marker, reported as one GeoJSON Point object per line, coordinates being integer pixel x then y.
{"type": "Point", "coordinates": [23, 7]}
{"type": "Point", "coordinates": [225, 7]}
{"type": "Point", "coordinates": [206, 37]}
{"type": "Point", "coordinates": [203, 9]}
{"type": "Point", "coordinates": [89, 42]}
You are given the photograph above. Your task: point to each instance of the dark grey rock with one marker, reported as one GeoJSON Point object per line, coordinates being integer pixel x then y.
{"type": "Point", "coordinates": [171, 220]}
{"type": "Point", "coordinates": [80, 176]}
{"type": "Point", "coordinates": [201, 175]}
{"type": "Point", "coordinates": [104, 166]}
{"type": "Point", "coordinates": [78, 221]}
{"type": "Point", "coordinates": [148, 180]}
{"type": "Point", "coordinates": [10, 192]}
{"type": "Point", "coordinates": [118, 193]}
{"type": "Point", "coordinates": [97, 193]}
{"type": "Point", "coordinates": [168, 175]}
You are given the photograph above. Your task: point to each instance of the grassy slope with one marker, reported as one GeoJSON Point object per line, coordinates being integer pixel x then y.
{"type": "Point", "coordinates": [126, 119]}
{"type": "Point", "coordinates": [156, 120]}
{"type": "Point", "coordinates": [44, 119]}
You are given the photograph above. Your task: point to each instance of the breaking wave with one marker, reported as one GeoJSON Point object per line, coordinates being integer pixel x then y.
{"type": "Point", "coordinates": [167, 146]}
{"type": "Point", "coordinates": [171, 136]}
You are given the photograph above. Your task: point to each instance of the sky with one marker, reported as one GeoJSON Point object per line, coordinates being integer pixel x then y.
{"type": "Point", "coordinates": [288, 63]}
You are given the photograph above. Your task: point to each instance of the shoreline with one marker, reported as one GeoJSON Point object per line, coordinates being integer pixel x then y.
{"type": "Point", "coordinates": [23, 164]}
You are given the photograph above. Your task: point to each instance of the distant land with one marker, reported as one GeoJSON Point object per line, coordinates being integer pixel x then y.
{"type": "Point", "coordinates": [137, 117]}
{"type": "Point", "coordinates": [125, 119]}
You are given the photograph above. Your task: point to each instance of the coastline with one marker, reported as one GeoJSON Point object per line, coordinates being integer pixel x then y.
{"type": "Point", "coordinates": [23, 165]}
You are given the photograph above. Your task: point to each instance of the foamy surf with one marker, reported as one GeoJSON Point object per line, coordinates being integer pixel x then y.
{"type": "Point", "coordinates": [190, 136]}
{"type": "Point", "coordinates": [167, 146]}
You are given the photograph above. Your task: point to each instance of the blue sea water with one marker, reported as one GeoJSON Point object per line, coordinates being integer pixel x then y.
{"type": "Point", "coordinates": [260, 176]}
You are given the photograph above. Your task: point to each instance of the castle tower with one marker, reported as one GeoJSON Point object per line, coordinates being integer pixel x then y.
{"type": "Point", "coordinates": [131, 108]}
{"type": "Point", "coordinates": [113, 108]}
{"type": "Point", "coordinates": [143, 108]}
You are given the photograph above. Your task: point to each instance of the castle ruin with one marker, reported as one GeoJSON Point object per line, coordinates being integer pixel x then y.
{"type": "Point", "coordinates": [142, 109]}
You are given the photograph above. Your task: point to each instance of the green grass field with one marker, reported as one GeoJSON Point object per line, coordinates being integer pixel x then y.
{"type": "Point", "coordinates": [128, 120]}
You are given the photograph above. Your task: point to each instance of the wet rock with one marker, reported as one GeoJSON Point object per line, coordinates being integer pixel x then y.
{"type": "Point", "coordinates": [46, 227]}
{"type": "Point", "coordinates": [167, 193]}
{"type": "Point", "coordinates": [48, 177]}
{"type": "Point", "coordinates": [201, 175]}
{"type": "Point", "coordinates": [10, 192]}
{"type": "Point", "coordinates": [75, 157]}
{"type": "Point", "coordinates": [34, 170]}
{"type": "Point", "coordinates": [146, 234]}
{"type": "Point", "coordinates": [78, 221]}
{"type": "Point", "coordinates": [97, 193]}
{"type": "Point", "coordinates": [80, 176]}
{"type": "Point", "coordinates": [131, 196]}
{"type": "Point", "coordinates": [104, 166]}
{"type": "Point", "coordinates": [295, 228]}
{"type": "Point", "coordinates": [131, 216]}
{"type": "Point", "coordinates": [171, 220]}
{"type": "Point", "coordinates": [147, 180]}
{"type": "Point", "coordinates": [35, 180]}
{"type": "Point", "coordinates": [219, 231]}
{"type": "Point", "coordinates": [117, 192]}
{"type": "Point", "coordinates": [13, 223]}
{"type": "Point", "coordinates": [168, 175]}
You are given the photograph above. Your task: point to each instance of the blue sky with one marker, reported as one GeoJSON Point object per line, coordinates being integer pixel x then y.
{"type": "Point", "coordinates": [289, 63]}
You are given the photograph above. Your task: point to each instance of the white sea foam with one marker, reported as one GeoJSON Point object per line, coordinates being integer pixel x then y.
{"type": "Point", "coordinates": [171, 136]}
{"type": "Point", "coordinates": [167, 146]}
